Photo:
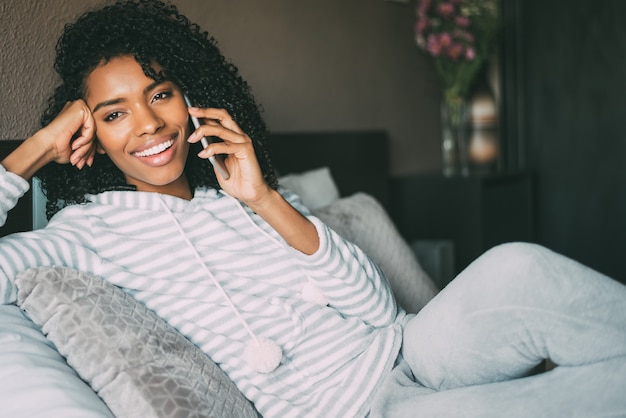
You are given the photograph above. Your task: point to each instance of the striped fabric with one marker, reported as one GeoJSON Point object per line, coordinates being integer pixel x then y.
{"type": "Point", "coordinates": [333, 356]}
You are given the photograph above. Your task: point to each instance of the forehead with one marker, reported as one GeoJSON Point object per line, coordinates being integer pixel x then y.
{"type": "Point", "coordinates": [119, 76]}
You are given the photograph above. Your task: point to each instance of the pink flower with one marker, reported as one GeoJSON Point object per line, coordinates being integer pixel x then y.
{"type": "Point", "coordinates": [434, 45]}
{"type": "Point", "coordinates": [445, 40]}
{"type": "Point", "coordinates": [452, 32]}
{"type": "Point", "coordinates": [462, 21]}
{"type": "Point", "coordinates": [421, 26]}
{"type": "Point", "coordinates": [422, 7]}
{"type": "Point", "coordinates": [446, 10]}
{"type": "Point", "coordinates": [455, 51]}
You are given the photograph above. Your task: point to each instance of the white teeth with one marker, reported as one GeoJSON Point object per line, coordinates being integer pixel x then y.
{"type": "Point", "coordinates": [155, 150]}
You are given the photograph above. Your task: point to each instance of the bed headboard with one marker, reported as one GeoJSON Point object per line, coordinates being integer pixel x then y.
{"type": "Point", "coordinates": [358, 161]}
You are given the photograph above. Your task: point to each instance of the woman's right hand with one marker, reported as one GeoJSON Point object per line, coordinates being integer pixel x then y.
{"type": "Point", "coordinates": [69, 138]}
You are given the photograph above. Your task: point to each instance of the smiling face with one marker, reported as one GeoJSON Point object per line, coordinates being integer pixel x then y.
{"type": "Point", "coordinates": [141, 125]}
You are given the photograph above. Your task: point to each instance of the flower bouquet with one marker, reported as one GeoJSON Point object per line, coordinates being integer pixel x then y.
{"type": "Point", "coordinates": [460, 35]}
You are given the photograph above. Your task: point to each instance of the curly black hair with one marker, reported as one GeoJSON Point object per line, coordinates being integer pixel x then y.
{"type": "Point", "coordinates": [150, 31]}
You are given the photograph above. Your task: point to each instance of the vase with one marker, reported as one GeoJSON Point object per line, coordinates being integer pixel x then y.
{"type": "Point", "coordinates": [483, 147]}
{"type": "Point", "coordinates": [454, 130]}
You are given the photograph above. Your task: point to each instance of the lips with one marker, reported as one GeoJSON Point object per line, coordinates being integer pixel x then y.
{"type": "Point", "coordinates": [156, 149]}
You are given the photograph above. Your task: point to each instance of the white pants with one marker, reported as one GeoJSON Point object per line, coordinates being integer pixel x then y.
{"type": "Point", "coordinates": [468, 353]}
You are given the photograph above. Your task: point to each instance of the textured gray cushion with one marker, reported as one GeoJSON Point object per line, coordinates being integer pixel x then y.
{"type": "Point", "coordinates": [138, 364]}
{"type": "Point", "coordinates": [362, 220]}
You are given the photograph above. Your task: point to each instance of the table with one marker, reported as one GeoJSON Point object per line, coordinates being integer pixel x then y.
{"type": "Point", "coordinates": [474, 212]}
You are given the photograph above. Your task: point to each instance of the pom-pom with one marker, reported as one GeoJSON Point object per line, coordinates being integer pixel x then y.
{"type": "Point", "coordinates": [312, 293]}
{"type": "Point", "coordinates": [263, 355]}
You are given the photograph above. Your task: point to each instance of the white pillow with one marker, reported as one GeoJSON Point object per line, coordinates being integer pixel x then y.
{"type": "Point", "coordinates": [315, 187]}
{"type": "Point", "coordinates": [362, 220]}
{"type": "Point", "coordinates": [35, 381]}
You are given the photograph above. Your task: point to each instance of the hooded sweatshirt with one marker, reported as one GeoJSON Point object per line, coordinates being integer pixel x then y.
{"type": "Point", "coordinates": [216, 271]}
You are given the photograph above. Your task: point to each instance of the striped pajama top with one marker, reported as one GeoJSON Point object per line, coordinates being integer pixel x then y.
{"type": "Point", "coordinates": [334, 356]}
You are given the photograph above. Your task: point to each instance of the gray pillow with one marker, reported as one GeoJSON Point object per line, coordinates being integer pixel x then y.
{"type": "Point", "coordinates": [137, 363]}
{"type": "Point", "coordinates": [362, 220]}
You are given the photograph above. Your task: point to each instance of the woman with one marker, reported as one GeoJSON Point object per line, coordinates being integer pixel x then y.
{"type": "Point", "coordinates": [301, 320]}
{"type": "Point", "coordinates": [234, 264]}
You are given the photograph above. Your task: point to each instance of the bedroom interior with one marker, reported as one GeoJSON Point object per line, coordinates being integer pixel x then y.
{"type": "Point", "coordinates": [360, 71]}
{"type": "Point", "coordinates": [353, 108]}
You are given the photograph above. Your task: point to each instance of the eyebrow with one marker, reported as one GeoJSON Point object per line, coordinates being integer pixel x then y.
{"type": "Point", "coordinates": [120, 100]}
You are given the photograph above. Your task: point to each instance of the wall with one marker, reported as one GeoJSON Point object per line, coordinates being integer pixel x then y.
{"type": "Point", "coordinates": [574, 59]}
{"type": "Point", "coordinates": [321, 65]}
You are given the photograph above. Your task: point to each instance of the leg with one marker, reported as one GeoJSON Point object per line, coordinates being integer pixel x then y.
{"type": "Point", "coordinates": [562, 392]}
{"type": "Point", "coordinates": [513, 307]}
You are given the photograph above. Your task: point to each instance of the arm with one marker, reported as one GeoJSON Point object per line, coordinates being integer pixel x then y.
{"type": "Point", "coordinates": [350, 280]}
{"type": "Point", "coordinates": [55, 143]}
{"type": "Point", "coordinates": [67, 241]}
{"type": "Point", "coordinates": [246, 181]}
{"type": "Point", "coordinates": [52, 143]}
{"type": "Point", "coordinates": [297, 230]}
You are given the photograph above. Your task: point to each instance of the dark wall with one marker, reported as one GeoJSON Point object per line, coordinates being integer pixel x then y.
{"type": "Point", "coordinates": [573, 69]}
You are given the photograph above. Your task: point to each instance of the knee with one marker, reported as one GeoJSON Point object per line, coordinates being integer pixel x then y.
{"type": "Point", "coordinates": [511, 261]}
{"type": "Point", "coordinates": [515, 254]}
{"type": "Point", "coordinates": [504, 274]}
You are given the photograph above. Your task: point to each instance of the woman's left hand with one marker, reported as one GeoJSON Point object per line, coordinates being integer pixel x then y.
{"type": "Point", "coordinates": [246, 181]}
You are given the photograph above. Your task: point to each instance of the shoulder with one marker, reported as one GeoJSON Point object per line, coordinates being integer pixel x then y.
{"type": "Point", "coordinates": [72, 214]}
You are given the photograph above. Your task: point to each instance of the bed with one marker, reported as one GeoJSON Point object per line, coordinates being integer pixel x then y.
{"type": "Point", "coordinates": [74, 345]}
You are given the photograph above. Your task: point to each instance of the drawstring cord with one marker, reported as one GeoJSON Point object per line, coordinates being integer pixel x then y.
{"type": "Point", "coordinates": [263, 355]}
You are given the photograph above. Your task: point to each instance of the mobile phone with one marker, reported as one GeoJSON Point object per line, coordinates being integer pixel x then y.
{"type": "Point", "coordinates": [216, 160]}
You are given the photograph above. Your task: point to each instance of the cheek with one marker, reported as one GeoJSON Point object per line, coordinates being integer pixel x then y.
{"type": "Point", "coordinates": [181, 118]}
{"type": "Point", "coordinates": [110, 138]}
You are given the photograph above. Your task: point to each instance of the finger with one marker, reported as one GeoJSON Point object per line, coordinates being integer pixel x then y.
{"type": "Point", "coordinates": [82, 154]}
{"type": "Point", "coordinates": [91, 152]}
{"type": "Point", "coordinates": [77, 157]}
{"type": "Point", "coordinates": [92, 155]}
{"type": "Point", "coordinates": [214, 129]}
{"type": "Point", "coordinates": [216, 148]}
{"type": "Point", "coordinates": [84, 139]}
{"type": "Point", "coordinates": [241, 151]}
{"type": "Point", "coordinates": [86, 129]}
{"type": "Point", "coordinates": [220, 116]}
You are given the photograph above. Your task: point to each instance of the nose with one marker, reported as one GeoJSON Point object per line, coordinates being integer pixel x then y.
{"type": "Point", "coordinates": [147, 120]}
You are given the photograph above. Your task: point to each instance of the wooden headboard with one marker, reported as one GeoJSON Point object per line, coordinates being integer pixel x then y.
{"type": "Point", "coordinates": [358, 161]}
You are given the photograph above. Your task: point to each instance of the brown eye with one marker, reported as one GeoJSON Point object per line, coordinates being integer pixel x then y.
{"type": "Point", "coordinates": [112, 116]}
{"type": "Point", "coordinates": [162, 95]}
